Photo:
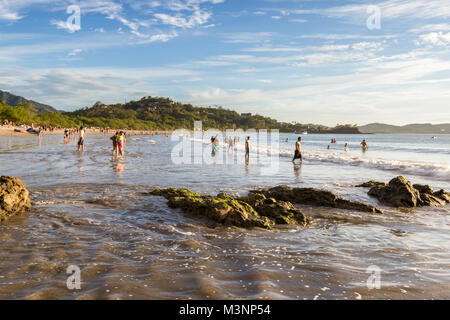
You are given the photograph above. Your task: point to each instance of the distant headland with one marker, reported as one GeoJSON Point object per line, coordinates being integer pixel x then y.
{"type": "Point", "coordinates": [150, 113]}
{"type": "Point", "coordinates": [156, 113]}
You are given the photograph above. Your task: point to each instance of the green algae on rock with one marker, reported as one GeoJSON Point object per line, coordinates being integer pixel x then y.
{"type": "Point", "coordinates": [281, 212]}
{"type": "Point", "coordinates": [371, 183]}
{"type": "Point", "coordinates": [14, 197]}
{"type": "Point", "coordinates": [241, 212]}
{"type": "Point", "coordinates": [316, 197]}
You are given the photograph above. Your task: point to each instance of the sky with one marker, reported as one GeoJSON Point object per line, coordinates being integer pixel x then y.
{"type": "Point", "coordinates": [309, 61]}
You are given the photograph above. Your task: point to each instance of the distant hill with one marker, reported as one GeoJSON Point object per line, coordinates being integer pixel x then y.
{"type": "Point", "coordinates": [151, 113]}
{"type": "Point", "coordinates": [13, 100]}
{"type": "Point", "coordinates": [163, 113]}
{"type": "Point", "coordinates": [410, 128]}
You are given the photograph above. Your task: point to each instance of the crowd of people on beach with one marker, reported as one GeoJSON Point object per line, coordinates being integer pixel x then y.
{"type": "Point", "coordinates": [118, 140]}
{"type": "Point", "coordinates": [363, 144]}
{"type": "Point", "coordinates": [120, 137]}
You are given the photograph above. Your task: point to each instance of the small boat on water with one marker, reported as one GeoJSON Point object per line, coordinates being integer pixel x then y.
{"type": "Point", "coordinates": [434, 137]}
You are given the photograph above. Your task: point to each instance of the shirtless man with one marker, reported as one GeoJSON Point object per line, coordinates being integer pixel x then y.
{"type": "Point", "coordinates": [298, 150]}
{"type": "Point", "coordinates": [247, 148]}
{"type": "Point", "coordinates": [81, 140]}
{"type": "Point", "coordinates": [364, 145]}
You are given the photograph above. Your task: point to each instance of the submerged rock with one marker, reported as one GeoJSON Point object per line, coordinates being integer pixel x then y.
{"type": "Point", "coordinates": [430, 200]}
{"type": "Point", "coordinates": [245, 212]}
{"type": "Point", "coordinates": [14, 197]}
{"type": "Point", "coordinates": [316, 197]}
{"type": "Point", "coordinates": [401, 193]}
{"type": "Point", "coordinates": [442, 194]}
{"type": "Point", "coordinates": [371, 183]}
{"type": "Point", "coordinates": [423, 189]}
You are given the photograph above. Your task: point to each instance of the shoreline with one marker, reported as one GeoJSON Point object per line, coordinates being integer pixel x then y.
{"type": "Point", "coordinates": [8, 131]}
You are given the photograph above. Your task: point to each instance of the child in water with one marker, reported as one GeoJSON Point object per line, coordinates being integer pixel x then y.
{"type": "Point", "coordinates": [115, 139]}
{"type": "Point", "coordinates": [121, 143]}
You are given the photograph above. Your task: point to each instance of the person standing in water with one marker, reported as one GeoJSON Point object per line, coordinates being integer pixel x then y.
{"type": "Point", "coordinates": [81, 139]}
{"type": "Point", "coordinates": [247, 148]}
{"type": "Point", "coordinates": [115, 139]}
{"type": "Point", "coordinates": [298, 150]}
{"type": "Point", "coordinates": [346, 147]}
{"type": "Point", "coordinates": [364, 145]}
{"type": "Point", "coordinates": [121, 143]}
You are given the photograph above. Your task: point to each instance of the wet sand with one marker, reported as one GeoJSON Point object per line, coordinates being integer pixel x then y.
{"type": "Point", "coordinates": [94, 211]}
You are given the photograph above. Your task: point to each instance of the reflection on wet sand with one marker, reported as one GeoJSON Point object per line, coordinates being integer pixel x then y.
{"type": "Point", "coordinates": [130, 245]}
{"type": "Point", "coordinates": [297, 172]}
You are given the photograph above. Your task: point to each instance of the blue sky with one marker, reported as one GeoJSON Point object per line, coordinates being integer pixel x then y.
{"type": "Point", "coordinates": [295, 60]}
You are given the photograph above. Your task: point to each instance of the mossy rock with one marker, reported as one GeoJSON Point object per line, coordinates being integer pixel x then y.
{"type": "Point", "coordinates": [224, 196]}
{"type": "Point", "coordinates": [172, 192]}
{"type": "Point", "coordinates": [281, 212]}
{"type": "Point", "coordinates": [254, 199]}
{"type": "Point", "coordinates": [442, 194]}
{"type": "Point", "coordinates": [424, 189]}
{"type": "Point", "coordinates": [371, 184]}
{"type": "Point", "coordinates": [255, 210]}
{"type": "Point", "coordinates": [316, 197]}
{"type": "Point", "coordinates": [222, 209]}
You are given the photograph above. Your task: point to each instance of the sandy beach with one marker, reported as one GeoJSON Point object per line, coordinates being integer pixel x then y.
{"type": "Point", "coordinates": [9, 131]}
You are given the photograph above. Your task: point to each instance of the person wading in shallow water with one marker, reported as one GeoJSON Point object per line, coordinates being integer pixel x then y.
{"type": "Point", "coordinates": [115, 139]}
{"type": "Point", "coordinates": [298, 150]}
{"type": "Point", "coordinates": [81, 139]}
{"type": "Point", "coordinates": [121, 143]}
{"type": "Point", "coordinates": [364, 145]}
{"type": "Point", "coordinates": [247, 148]}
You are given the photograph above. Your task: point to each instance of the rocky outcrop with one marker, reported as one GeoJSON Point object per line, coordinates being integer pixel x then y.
{"type": "Point", "coordinates": [281, 212]}
{"type": "Point", "coordinates": [371, 183]}
{"type": "Point", "coordinates": [401, 193]}
{"type": "Point", "coordinates": [316, 197]}
{"type": "Point", "coordinates": [14, 197]}
{"type": "Point", "coordinates": [442, 194]}
{"type": "Point", "coordinates": [246, 212]}
{"type": "Point", "coordinates": [423, 189]}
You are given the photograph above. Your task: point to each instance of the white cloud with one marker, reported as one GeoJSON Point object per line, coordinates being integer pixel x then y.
{"type": "Point", "coordinates": [75, 52]}
{"type": "Point", "coordinates": [394, 89]}
{"type": "Point", "coordinates": [198, 18]}
{"type": "Point", "coordinates": [440, 39]}
{"type": "Point", "coordinates": [71, 88]}
{"type": "Point", "coordinates": [432, 27]}
{"type": "Point", "coordinates": [114, 10]}
{"type": "Point", "coordinates": [70, 27]}
{"type": "Point", "coordinates": [248, 37]}
{"type": "Point", "coordinates": [371, 46]}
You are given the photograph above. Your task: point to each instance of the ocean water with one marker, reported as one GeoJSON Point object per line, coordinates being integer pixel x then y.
{"type": "Point", "coordinates": [92, 211]}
